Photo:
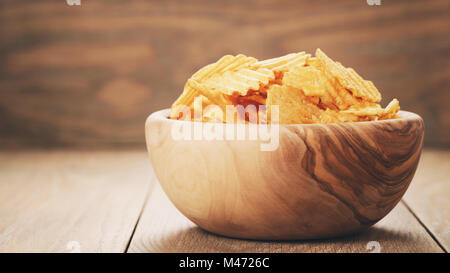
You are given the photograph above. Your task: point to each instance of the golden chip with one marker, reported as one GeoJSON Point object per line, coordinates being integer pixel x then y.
{"type": "Point", "coordinates": [391, 110]}
{"type": "Point", "coordinates": [293, 107]}
{"type": "Point", "coordinates": [240, 81]}
{"type": "Point", "coordinates": [392, 107]}
{"type": "Point", "coordinates": [283, 63]}
{"type": "Point", "coordinates": [370, 110]}
{"type": "Point", "coordinates": [312, 61]}
{"type": "Point", "coordinates": [212, 95]}
{"type": "Point", "coordinates": [306, 89]}
{"type": "Point", "coordinates": [348, 78]}
{"type": "Point", "coordinates": [306, 78]}
{"type": "Point", "coordinates": [336, 96]}
{"type": "Point", "coordinates": [213, 113]}
{"type": "Point", "coordinates": [226, 63]}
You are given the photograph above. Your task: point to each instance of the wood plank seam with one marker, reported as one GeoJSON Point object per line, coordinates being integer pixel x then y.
{"type": "Point", "coordinates": [147, 197]}
{"type": "Point", "coordinates": [424, 226]}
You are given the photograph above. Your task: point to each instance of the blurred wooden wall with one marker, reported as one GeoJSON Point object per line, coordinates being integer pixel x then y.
{"type": "Point", "coordinates": [89, 75]}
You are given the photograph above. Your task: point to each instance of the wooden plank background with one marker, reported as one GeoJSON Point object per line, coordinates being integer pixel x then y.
{"type": "Point", "coordinates": [89, 75]}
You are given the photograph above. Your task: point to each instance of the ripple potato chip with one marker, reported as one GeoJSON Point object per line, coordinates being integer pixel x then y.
{"type": "Point", "coordinates": [226, 63]}
{"type": "Point", "coordinates": [283, 63]}
{"type": "Point", "coordinates": [307, 78]}
{"type": "Point", "coordinates": [349, 79]}
{"type": "Point", "coordinates": [293, 105]}
{"type": "Point", "coordinates": [306, 89]}
{"type": "Point", "coordinates": [240, 81]}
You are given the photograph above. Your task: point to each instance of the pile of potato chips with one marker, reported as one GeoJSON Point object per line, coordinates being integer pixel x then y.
{"type": "Point", "coordinates": [306, 89]}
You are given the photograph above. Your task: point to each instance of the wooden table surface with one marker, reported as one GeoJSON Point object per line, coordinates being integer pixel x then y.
{"type": "Point", "coordinates": [110, 201]}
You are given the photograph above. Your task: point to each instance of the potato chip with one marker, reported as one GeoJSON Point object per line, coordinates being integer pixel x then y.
{"type": "Point", "coordinates": [391, 110]}
{"type": "Point", "coordinates": [253, 97]}
{"type": "Point", "coordinates": [195, 89]}
{"type": "Point", "coordinates": [307, 78]}
{"type": "Point", "coordinates": [180, 112]}
{"type": "Point", "coordinates": [226, 63]}
{"type": "Point", "coordinates": [313, 61]}
{"type": "Point", "coordinates": [336, 96]}
{"type": "Point", "coordinates": [334, 116]}
{"type": "Point", "coordinates": [393, 107]}
{"type": "Point", "coordinates": [298, 61]}
{"type": "Point", "coordinates": [348, 78]}
{"type": "Point", "coordinates": [283, 63]}
{"type": "Point", "coordinates": [293, 107]}
{"type": "Point", "coordinates": [240, 81]}
{"type": "Point", "coordinates": [213, 113]}
{"type": "Point", "coordinates": [370, 110]}
{"type": "Point", "coordinates": [306, 89]}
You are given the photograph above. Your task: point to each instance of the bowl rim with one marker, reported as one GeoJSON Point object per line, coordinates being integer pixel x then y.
{"type": "Point", "coordinates": [163, 115]}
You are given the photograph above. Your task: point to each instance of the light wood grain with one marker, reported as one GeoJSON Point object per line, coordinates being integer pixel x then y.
{"type": "Point", "coordinates": [162, 228]}
{"type": "Point", "coordinates": [89, 75]}
{"type": "Point", "coordinates": [322, 180]}
{"type": "Point", "coordinates": [429, 194]}
{"type": "Point", "coordinates": [49, 199]}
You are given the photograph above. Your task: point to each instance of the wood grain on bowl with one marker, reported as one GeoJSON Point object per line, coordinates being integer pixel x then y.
{"type": "Point", "coordinates": [323, 180]}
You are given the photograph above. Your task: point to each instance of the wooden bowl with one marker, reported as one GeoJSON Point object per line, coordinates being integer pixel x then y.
{"type": "Point", "coordinates": [324, 180]}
